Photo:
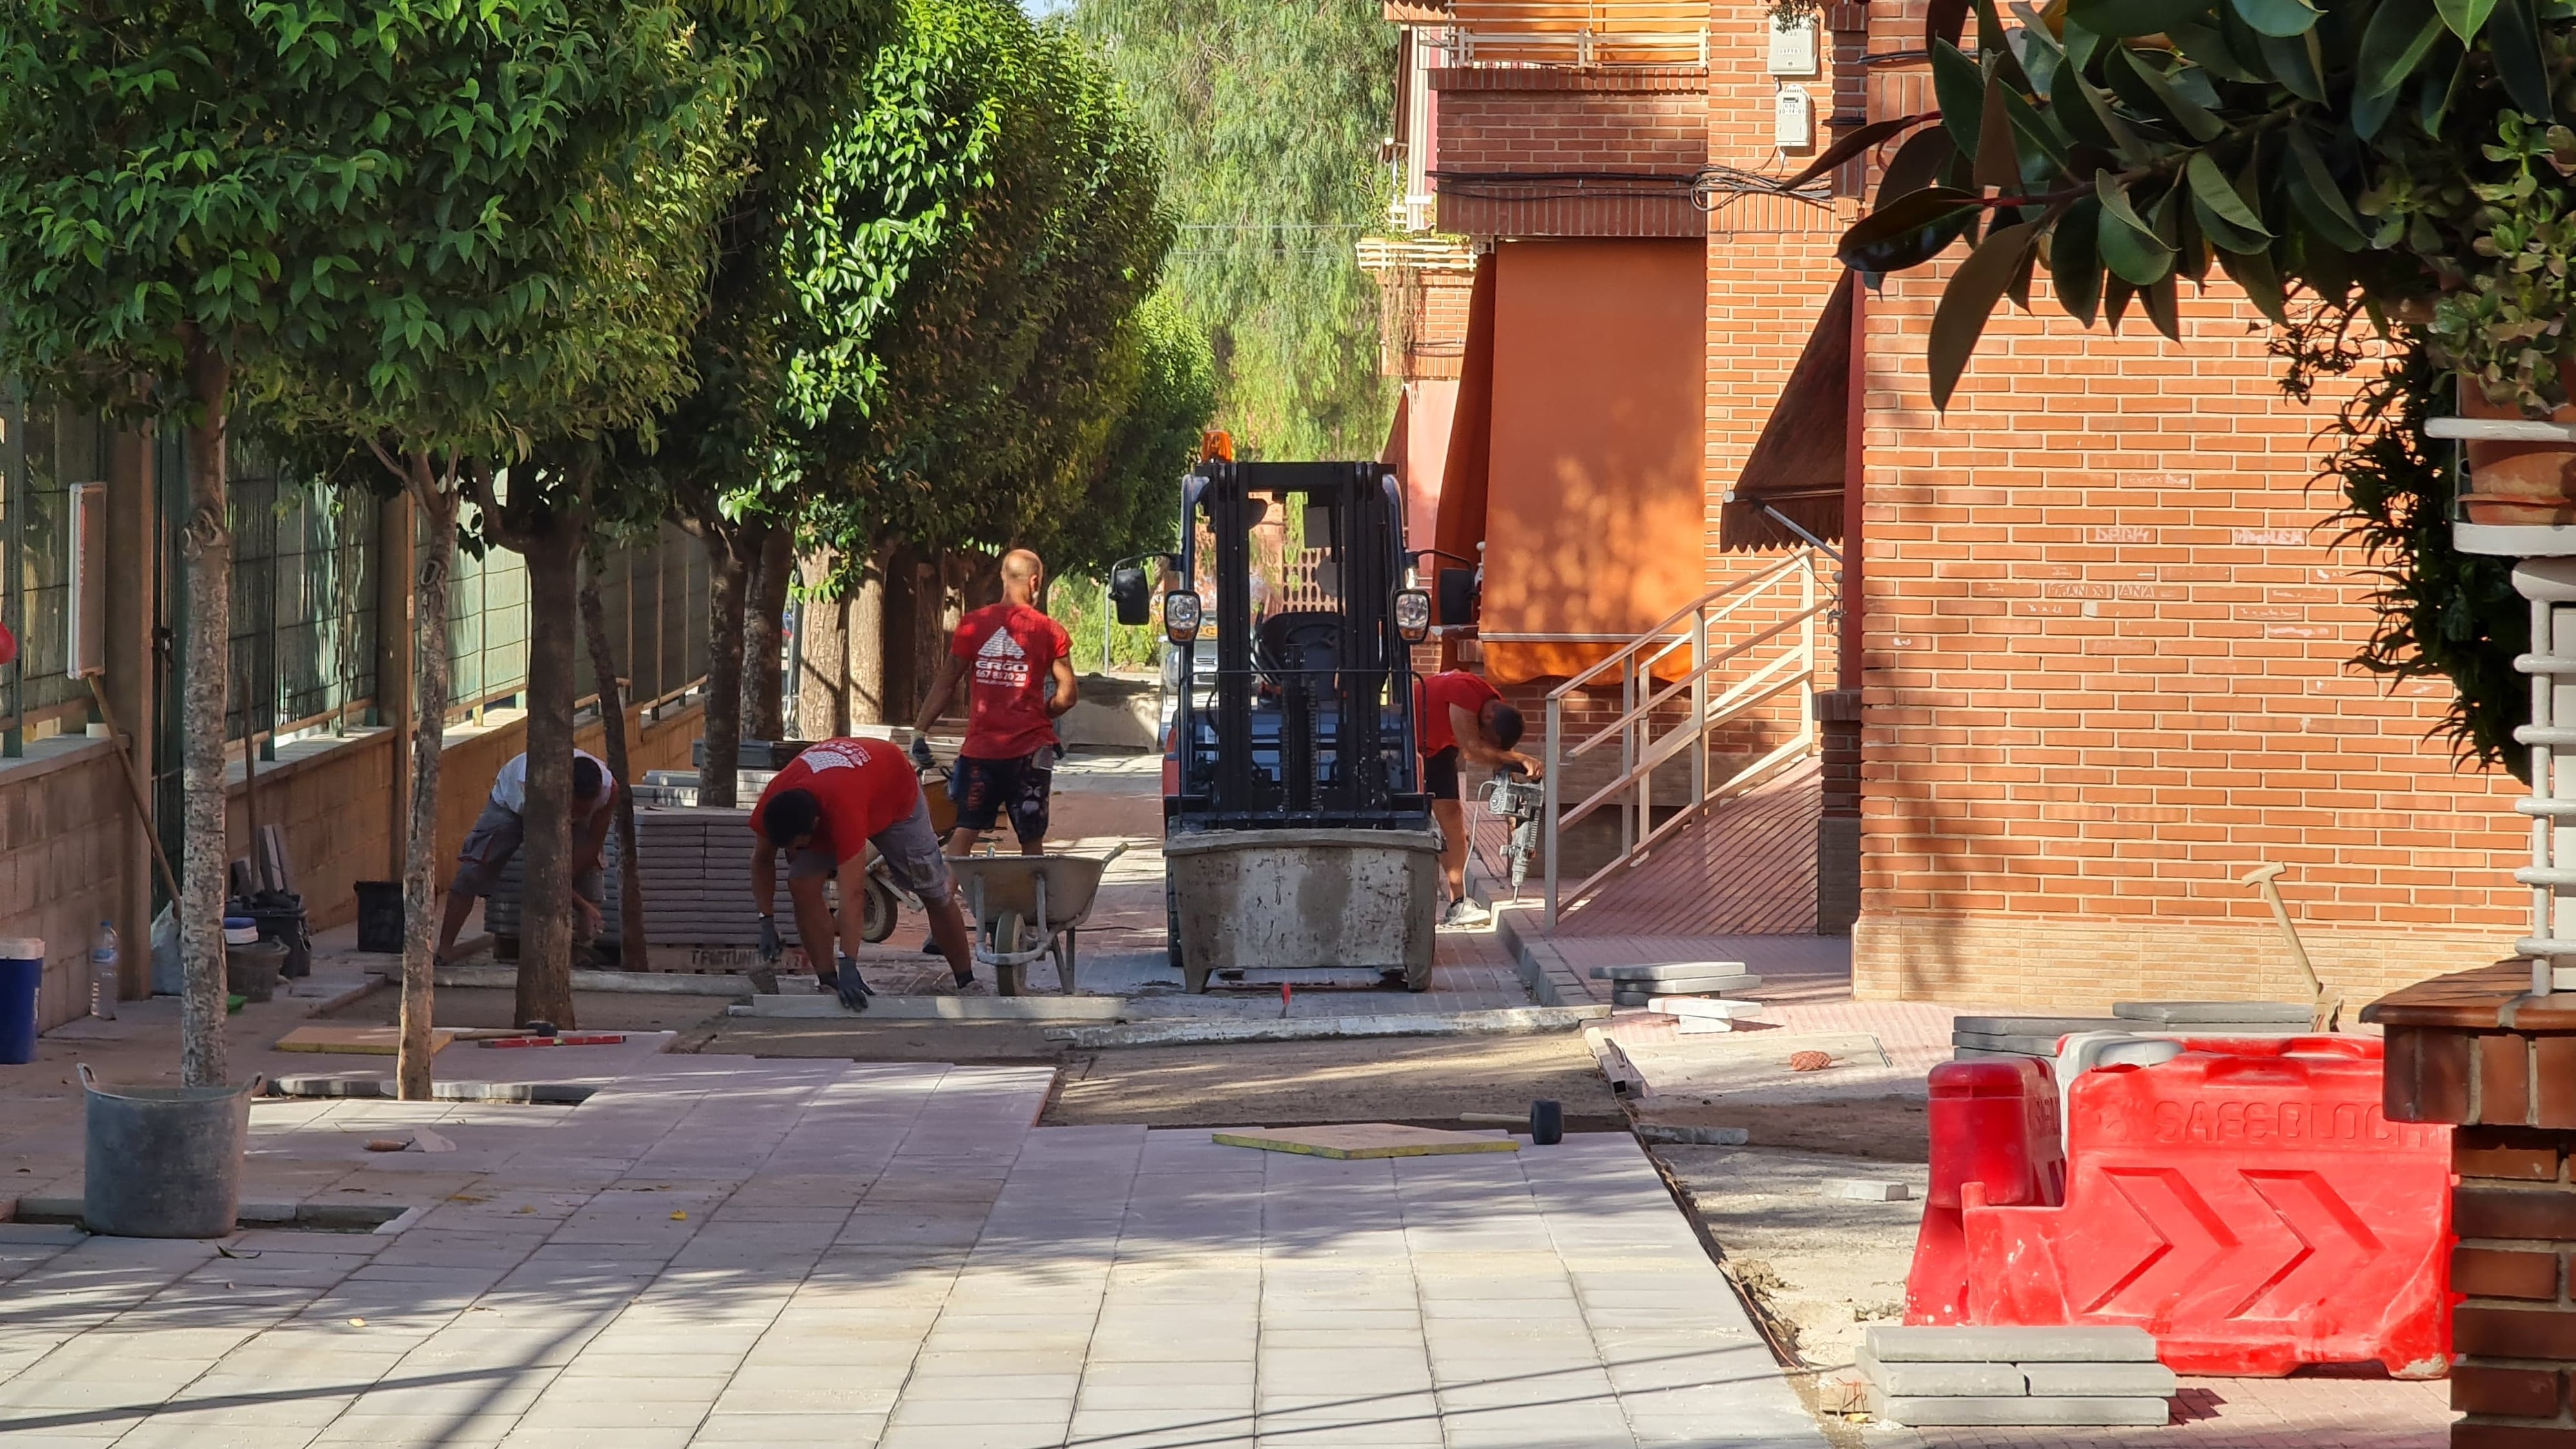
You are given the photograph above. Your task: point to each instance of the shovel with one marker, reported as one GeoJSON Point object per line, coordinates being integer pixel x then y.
{"type": "Point", "coordinates": [2328, 1007]}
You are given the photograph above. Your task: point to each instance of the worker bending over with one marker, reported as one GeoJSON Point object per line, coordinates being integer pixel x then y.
{"type": "Point", "coordinates": [825, 809]}
{"type": "Point", "coordinates": [1463, 722]}
{"type": "Point", "coordinates": [502, 827]}
{"type": "Point", "coordinates": [1007, 764]}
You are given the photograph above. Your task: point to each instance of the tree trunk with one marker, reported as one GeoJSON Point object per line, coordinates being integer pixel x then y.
{"type": "Point", "coordinates": [902, 597]}
{"type": "Point", "coordinates": [764, 685]}
{"type": "Point", "coordinates": [436, 560]}
{"type": "Point", "coordinates": [822, 658]}
{"type": "Point", "coordinates": [634, 954]}
{"type": "Point", "coordinates": [866, 626]}
{"type": "Point", "coordinates": [723, 733]}
{"type": "Point", "coordinates": [553, 550]}
{"type": "Point", "coordinates": [206, 548]}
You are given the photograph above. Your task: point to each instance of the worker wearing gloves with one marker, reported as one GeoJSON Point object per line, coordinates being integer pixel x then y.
{"type": "Point", "coordinates": [1006, 765]}
{"type": "Point", "coordinates": [825, 809]}
{"type": "Point", "coordinates": [1463, 722]}
{"type": "Point", "coordinates": [500, 829]}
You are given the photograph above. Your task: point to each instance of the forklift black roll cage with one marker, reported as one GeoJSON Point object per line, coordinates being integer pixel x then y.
{"type": "Point", "coordinates": [1312, 718]}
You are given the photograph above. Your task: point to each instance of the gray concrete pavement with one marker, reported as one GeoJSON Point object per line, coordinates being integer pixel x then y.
{"type": "Point", "coordinates": [716, 1251]}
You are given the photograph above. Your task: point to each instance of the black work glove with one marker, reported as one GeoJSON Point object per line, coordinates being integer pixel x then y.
{"type": "Point", "coordinates": [854, 992]}
{"type": "Point", "coordinates": [769, 947]}
{"type": "Point", "coordinates": [921, 756]}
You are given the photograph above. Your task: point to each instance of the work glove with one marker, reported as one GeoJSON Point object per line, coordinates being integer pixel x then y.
{"type": "Point", "coordinates": [769, 947]}
{"type": "Point", "coordinates": [921, 756]}
{"type": "Point", "coordinates": [854, 992]}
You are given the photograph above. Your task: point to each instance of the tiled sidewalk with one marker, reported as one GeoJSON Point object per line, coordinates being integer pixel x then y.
{"type": "Point", "coordinates": [720, 1252]}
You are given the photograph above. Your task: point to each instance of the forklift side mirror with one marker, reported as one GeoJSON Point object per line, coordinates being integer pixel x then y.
{"type": "Point", "coordinates": [1181, 616]}
{"type": "Point", "coordinates": [1457, 596]}
{"type": "Point", "coordinates": [1412, 615]}
{"type": "Point", "coordinates": [1129, 593]}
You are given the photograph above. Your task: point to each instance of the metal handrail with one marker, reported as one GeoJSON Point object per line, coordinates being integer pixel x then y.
{"type": "Point", "coordinates": [1769, 661]}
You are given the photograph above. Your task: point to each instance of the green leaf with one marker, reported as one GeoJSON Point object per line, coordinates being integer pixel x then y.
{"type": "Point", "coordinates": [1969, 300]}
{"type": "Point", "coordinates": [2069, 105]}
{"type": "Point", "coordinates": [2398, 37]}
{"type": "Point", "coordinates": [2075, 260]}
{"type": "Point", "coordinates": [2514, 35]}
{"type": "Point", "coordinates": [2297, 63]}
{"type": "Point", "coordinates": [2122, 18]}
{"type": "Point", "coordinates": [2277, 17]}
{"type": "Point", "coordinates": [2209, 50]}
{"type": "Point", "coordinates": [2371, 112]}
{"type": "Point", "coordinates": [2202, 126]}
{"type": "Point", "coordinates": [2115, 300]}
{"type": "Point", "coordinates": [2211, 190]}
{"type": "Point", "coordinates": [1998, 162]}
{"type": "Point", "coordinates": [2160, 301]}
{"type": "Point", "coordinates": [2465, 17]}
{"type": "Point", "coordinates": [2254, 274]}
{"type": "Point", "coordinates": [2320, 197]}
{"type": "Point", "coordinates": [2039, 134]}
{"type": "Point", "coordinates": [2129, 247]}
{"type": "Point", "coordinates": [1907, 232]}
{"type": "Point", "coordinates": [1916, 164]}
{"type": "Point", "coordinates": [2037, 50]}
{"type": "Point", "coordinates": [1944, 21]}
{"type": "Point", "coordinates": [1960, 85]}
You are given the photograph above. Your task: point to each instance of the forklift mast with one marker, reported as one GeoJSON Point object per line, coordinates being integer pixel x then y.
{"type": "Point", "coordinates": [1310, 720]}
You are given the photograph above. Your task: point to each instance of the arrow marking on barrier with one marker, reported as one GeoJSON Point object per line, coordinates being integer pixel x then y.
{"type": "Point", "coordinates": [2334, 1241]}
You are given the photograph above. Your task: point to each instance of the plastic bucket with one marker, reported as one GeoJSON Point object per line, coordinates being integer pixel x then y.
{"type": "Point", "coordinates": [164, 1162]}
{"type": "Point", "coordinates": [22, 979]}
{"type": "Point", "coordinates": [251, 971]}
{"type": "Point", "coordinates": [284, 924]}
{"type": "Point", "coordinates": [380, 916]}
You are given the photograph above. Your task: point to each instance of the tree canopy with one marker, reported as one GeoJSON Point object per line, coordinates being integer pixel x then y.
{"type": "Point", "coordinates": [1268, 117]}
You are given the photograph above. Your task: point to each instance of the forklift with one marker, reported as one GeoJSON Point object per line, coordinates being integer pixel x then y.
{"type": "Point", "coordinates": [1296, 832]}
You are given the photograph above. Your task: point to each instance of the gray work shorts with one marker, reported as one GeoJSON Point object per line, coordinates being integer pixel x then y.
{"type": "Point", "coordinates": [495, 838]}
{"type": "Point", "coordinates": [911, 851]}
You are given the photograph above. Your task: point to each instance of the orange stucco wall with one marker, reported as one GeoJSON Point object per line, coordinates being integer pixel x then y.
{"type": "Point", "coordinates": [1595, 505]}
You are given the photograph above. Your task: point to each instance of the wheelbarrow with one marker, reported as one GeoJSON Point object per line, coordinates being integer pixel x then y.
{"type": "Point", "coordinates": [1005, 894]}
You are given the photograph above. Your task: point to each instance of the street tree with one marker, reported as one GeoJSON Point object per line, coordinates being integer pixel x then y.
{"type": "Point", "coordinates": [2387, 180]}
{"type": "Point", "coordinates": [530, 272]}
{"type": "Point", "coordinates": [201, 194]}
{"type": "Point", "coordinates": [969, 269]}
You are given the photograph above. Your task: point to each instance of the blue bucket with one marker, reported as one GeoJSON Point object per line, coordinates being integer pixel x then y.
{"type": "Point", "coordinates": [22, 977]}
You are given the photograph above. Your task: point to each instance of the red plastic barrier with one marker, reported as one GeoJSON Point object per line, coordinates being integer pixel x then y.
{"type": "Point", "coordinates": [2246, 1202]}
{"type": "Point", "coordinates": [1994, 1126]}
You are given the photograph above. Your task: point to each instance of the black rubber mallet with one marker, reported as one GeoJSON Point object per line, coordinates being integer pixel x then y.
{"type": "Point", "coordinates": [1545, 1123]}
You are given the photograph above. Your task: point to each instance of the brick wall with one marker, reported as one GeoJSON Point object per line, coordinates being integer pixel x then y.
{"type": "Point", "coordinates": [62, 824]}
{"type": "Point", "coordinates": [2107, 673]}
{"type": "Point", "coordinates": [2515, 1335]}
{"type": "Point", "coordinates": [1575, 129]}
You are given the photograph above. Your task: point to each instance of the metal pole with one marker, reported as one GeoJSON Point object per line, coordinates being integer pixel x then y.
{"type": "Point", "coordinates": [1555, 734]}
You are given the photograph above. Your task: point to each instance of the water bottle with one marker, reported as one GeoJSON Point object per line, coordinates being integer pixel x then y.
{"type": "Point", "coordinates": [102, 973]}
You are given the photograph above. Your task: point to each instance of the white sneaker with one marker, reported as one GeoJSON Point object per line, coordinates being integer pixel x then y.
{"type": "Point", "coordinates": [1467, 914]}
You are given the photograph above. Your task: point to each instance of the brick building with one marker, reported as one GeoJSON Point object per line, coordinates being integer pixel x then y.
{"type": "Point", "coordinates": [2094, 664]}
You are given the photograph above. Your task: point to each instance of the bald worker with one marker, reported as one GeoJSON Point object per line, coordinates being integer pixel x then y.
{"type": "Point", "coordinates": [1008, 653]}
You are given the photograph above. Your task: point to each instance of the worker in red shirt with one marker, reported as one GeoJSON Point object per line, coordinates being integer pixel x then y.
{"type": "Point", "coordinates": [1009, 653]}
{"type": "Point", "coordinates": [1462, 721]}
{"type": "Point", "coordinates": [825, 809]}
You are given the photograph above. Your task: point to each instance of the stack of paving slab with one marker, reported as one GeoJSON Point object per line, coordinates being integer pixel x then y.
{"type": "Point", "coordinates": [696, 875]}
{"type": "Point", "coordinates": [1637, 984]}
{"type": "Point", "coordinates": [2074, 1377]}
{"type": "Point", "coordinates": [1978, 1038]}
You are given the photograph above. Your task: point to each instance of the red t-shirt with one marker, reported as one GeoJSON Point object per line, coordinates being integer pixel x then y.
{"type": "Point", "coordinates": [864, 786]}
{"type": "Point", "coordinates": [1010, 651]}
{"type": "Point", "coordinates": [1439, 691]}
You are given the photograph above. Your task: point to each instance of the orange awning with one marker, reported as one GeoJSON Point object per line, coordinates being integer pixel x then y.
{"type": "Point", "coordinates": [1796, 466]}
{"type": "Point", "coordinates": [1595, 512]}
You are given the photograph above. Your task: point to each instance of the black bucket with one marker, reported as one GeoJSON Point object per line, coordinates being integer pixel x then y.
{"type": "Point", "coordinates": [280, 915]}
{"type": "Point", "coordinates": [380, 916]}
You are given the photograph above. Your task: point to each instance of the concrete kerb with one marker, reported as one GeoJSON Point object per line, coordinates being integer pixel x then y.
{"type": "Point", "coordinates": [936, 1008]}
{"type": "Point", "coordinates": [1542, 968]}
{"type": "Point", "coordinates": [1510, 1021]}
{"type": "Point", "coordinates": [646, 983]}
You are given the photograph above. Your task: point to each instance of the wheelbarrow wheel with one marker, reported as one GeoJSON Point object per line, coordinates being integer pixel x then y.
{"type": "Point", "coordinates": [877, 920]}
{"type": "Point", "coordinates": [1006, 937]}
